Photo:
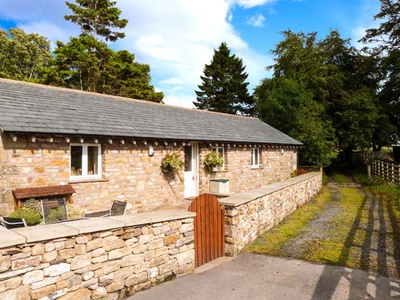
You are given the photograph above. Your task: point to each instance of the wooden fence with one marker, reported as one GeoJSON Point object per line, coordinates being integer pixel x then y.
{"type": "Point", "coordinates": [386, 170]}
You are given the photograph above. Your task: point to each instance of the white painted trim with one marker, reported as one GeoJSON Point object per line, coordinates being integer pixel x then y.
{"type": "Point", "coordinates": [255, 156]}
{"type": "Point", "coordinates": [85, 162]}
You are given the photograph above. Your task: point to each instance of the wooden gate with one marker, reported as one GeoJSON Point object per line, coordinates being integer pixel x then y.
{"type": "Point", "coordinates": [209, 228]}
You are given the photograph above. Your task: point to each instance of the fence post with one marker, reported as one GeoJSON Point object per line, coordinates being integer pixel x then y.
{"type": "Point", "coordinates": [392, 173]}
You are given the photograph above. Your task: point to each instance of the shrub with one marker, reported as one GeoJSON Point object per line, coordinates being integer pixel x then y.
{"type": "Point", "coordinates": [73, 212]}
{"type": "Point", "coordinates": [33, 204]}
{"type": "Point", "coordinates": [30, 215]}
{"type": "Point", "coordinates": [55, 215]}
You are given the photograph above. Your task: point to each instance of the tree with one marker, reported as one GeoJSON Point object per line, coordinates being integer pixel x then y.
{"type": "Point", "coordinates": [387, 48]}
{"type": "Point", "coordinates": [287, 105]}
{"type": "Point", "coordinates": [223, 87]}
{"type": "Point", "coordinates": [124, 77]}
{"type": "Point", "coordinates": [323, 86]}
{"type": "Point", "coordinates": [23, 56]}
{"type": "Point", "coordinates": [88, 64]}
{"type": "Point", "coordinates": [97, 17]}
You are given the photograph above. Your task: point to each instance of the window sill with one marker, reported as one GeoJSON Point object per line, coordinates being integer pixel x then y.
{"type": "Point", "coordinates": [257, 168]}
{"type": "Point", "coordinates": [86, 180]}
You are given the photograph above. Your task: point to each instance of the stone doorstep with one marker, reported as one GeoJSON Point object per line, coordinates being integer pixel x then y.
{"type": "Point", "coordinates": [216, 262]}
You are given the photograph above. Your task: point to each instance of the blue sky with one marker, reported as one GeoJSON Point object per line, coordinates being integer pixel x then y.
{"type": "Point", "coordinates": [177, 37]}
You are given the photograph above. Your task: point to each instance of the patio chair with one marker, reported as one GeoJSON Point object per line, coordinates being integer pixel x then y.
{"type": "Point", "coordinates": [10, 223]}
{"type": "Point", "coordinates": [118, 208]}
{"type": "Point", "coordinates": [54, 210]}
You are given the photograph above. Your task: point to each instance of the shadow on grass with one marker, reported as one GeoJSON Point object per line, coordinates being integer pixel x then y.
{"type": "Point", "coordinates": [380, 234]}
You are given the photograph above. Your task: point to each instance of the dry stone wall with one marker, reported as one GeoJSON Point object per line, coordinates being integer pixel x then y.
{"type": "Point", "coordinates": [248, 215]}
{"type": "Point", "coordinates": [106, 264]}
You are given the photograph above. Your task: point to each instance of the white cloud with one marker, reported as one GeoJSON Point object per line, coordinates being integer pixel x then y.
{"type": "Point", "coordinates": [175, 37]}
{"type": "Point", "coordinates": [180, 100]}
{"type": "Point", "coordinates": [365, 20]}
{"type": "Point", "coordinates": [177, 40]}
{"type": "Point", "coordinates": [250, 3]}
{"type": "Point", "coordinates": [257, 21]}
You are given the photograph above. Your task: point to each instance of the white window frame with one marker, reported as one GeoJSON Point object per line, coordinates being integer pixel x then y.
{"type": "Point", "coordinates": [85, 174]}
{"type": "Point", "coordinates": [255, 158]}
{"type": "Point", "coordinates": [220, 150]}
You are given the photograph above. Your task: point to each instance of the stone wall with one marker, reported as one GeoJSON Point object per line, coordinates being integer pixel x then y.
{"type": "Point", "coordinates": [128, 172]}
{"type": "Point", "coordinates": [248, 215]}
{"type": "Point", "coordinates": [87, 263]}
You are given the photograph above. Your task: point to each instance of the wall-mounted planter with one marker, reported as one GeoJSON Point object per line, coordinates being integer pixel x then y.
{"type": "Point", "coordinates": [219, 187]}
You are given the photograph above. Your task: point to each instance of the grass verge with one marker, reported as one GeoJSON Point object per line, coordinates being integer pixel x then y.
{"type": "Point", "coordinates": [272, 241]}
{"type": "Point", "coordinates": [353, 236]}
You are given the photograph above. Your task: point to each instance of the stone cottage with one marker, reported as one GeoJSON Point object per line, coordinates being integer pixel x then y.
{"type": "Point", "coordinates": [96, 148]}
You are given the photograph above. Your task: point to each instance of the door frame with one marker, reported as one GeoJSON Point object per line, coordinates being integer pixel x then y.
{"type": "Point", "coordinates": [195, 170]}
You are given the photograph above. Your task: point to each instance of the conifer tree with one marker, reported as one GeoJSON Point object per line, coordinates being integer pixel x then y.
{"type": "Point", "coordinates": [97, 17]}
{"type": "Point", "coordinates": [224, 86]}
{"type": "Point", "coordinates": [88, 63]}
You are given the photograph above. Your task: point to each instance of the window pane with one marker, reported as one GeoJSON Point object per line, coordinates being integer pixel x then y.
{"type": "Point", "coordinates": [188, 158]}
{"type": "Point", "coordinates": [76, 160]}
{"type": "Point", "coordinates": [256, 157]}
{"type": "Point", "coordinates": [220, 151]}
{"type": "Point", "coordinates": [93, 164]}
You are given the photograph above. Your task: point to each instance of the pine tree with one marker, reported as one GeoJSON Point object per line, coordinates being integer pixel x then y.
{"type": "Point", "coordinates": [96, 17]}
{"type": "Point", "coordinates": [223, 87]}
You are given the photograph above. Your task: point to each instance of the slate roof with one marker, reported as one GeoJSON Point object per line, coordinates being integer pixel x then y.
{"type": "Point", "coordinates": [32, 108]}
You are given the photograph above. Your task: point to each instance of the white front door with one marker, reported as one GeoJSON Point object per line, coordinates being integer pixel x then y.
{"type": "Point", "coordinates": [191, 179]}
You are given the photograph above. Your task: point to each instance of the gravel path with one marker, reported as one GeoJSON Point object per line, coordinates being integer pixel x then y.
{"type": "Point", "coordinates": [373, 241]}
{"type": "Point", "coordinates": [317, 229]}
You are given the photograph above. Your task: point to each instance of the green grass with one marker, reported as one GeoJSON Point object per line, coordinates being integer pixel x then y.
{"type": "Point", "coordinates": [340, 178]}
{"type": "Point", "coordinates": [341, 244]}
{"type": "Point", "coordinates": [272, 241]}
{"type": "Point", "coordinates": [335, 249]}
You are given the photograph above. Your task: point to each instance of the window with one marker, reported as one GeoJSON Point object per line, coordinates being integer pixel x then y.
{"type": "Point", "coordinates": [85, 161]}
{"type": "Point", "coordinates": [221, 152]}
{"type": "Point", "coordinates": [255, 158]}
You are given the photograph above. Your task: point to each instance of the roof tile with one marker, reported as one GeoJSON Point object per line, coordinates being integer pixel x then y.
{"type": "Point", "coordinates": [45, 109]}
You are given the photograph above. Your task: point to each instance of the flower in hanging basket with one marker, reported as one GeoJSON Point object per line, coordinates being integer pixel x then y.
{"type": "Point", "coordinates": [213, 160]}
{"type": "Point", "coordinates": [171, 163]}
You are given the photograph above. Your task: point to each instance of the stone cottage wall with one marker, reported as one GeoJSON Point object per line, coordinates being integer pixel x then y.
{"type": "Point", "coordinates": [128, 172]}
{"type": "Point", "coordinates": [274, 167]}
{"type": "Point", "coordinates": [248, 215]}
{"type": "Point", "coordinates": [106, 264]}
